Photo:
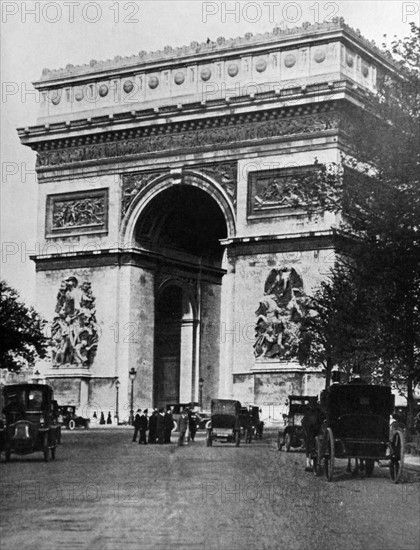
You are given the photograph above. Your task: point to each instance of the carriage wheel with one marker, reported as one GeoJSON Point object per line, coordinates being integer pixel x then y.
{"type": "Point", "coordinates": [279, 441]}
{"type": "Point", "coordinates": [369, 466]}
{"type": "Point", "coordinates": [317, 458]}
{"type": "Point", "coordinates": [287, 442]}
{"type": "Point", "coordinates": [237, 438]}
{"type": "Point", "coordinates": [397, 457]}
{"type": "Point", "coordinates": [329, 456]}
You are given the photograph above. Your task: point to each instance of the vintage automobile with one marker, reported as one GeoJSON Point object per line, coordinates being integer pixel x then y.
{"type": "Point", "coordinates": [177, 409]}
{"type": "Point", "coordinates": [292, 435]}
{"type": "Point", "coordinates": [257, 423]}
{"type": "Point", "coordinates": [67, 417]}
{"type": "Point", "coordinates": [224, 425]}
{"type": "Point", "coordinates": [358, 426]}
{"type": "Point", "coordinates": [29, 420]}
{"type": "Point", "coordinates": [245, 422]}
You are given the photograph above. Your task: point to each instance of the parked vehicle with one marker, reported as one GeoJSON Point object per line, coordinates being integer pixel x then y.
{"type": "Point", "coordinates": [245, 421]}
{"type": "Point", "coordinates": [29, 421]}
{"type": "Point", "coordinates": [69, 418]}
{"type": "Point", "coordinates": [225, 423]}
{"type": "Point", "coordinates": [257, 423]}
{"type": "Point", "coordinates": [292, 435]}
{"type": "Point", "coordinates": [358, 426]}
{"type": "Point", "coordinates": [177, 409]}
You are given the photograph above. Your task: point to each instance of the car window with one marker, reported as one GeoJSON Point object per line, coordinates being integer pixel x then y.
{"type": "Point", "coordinates": [35, 400]}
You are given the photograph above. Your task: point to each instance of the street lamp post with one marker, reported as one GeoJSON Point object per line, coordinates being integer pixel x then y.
{"type": "Point", "coordinates": [36, 377]}
{"type": "Point", "coordinates": [117, 414]}
{"type": "Point", "coordinates": [132, 374]}
{"type": "Point", "coordinates": [200, 392]}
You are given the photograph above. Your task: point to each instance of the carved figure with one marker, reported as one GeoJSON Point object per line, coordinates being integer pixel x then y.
{"type": "Point", "coordinates": [279, 314]}
{"type": "Point", "coordinates": [74, 328]}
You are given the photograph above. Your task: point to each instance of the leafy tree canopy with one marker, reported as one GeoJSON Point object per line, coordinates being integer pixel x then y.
{"type": "Point", "coordinates": [22, 337]}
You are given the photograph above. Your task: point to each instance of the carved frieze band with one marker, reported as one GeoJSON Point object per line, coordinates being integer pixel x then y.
{"type": "Point", "coordinates": [235, 133]}
{"type": "Point", "coordinates": [225, 173]}
{"type": "Point", "coordinates": [81, 212]}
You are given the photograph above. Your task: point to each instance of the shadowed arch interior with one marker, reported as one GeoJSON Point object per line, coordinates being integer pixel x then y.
{"type": "Point", "coordinates": [183, 220]}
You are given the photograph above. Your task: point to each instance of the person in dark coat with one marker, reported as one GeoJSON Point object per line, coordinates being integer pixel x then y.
{"type": "Point", "coordinates": [192, 424]}
{"type": "Point", "coordinates": [143, 424]}
{"type": "Point", "coordinates": [136, 425]}
{"type": "Point", "coordinates": [169, 425]}
{"type": "Point", "coordinates": [160, 426]}
{"type": "Point", "coordinates": [183, 427]}
{"type": "Point", "coordinates": [153, 426]}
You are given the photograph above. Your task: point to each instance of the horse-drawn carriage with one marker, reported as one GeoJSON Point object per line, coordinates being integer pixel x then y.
{"type": "Point", "coordinates": [357, 426]}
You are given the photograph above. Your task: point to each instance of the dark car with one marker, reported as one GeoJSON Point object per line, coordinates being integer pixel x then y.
{"type": "Point", "coordinates": [69, 418]}
{"type": "Point", "coordinates": [29, 420]}
{"type": "Point", "coordinates": [292, 436]}
{"type": "Point", "coordinates": [177, 408]}
{"type": "Point", "coordinates": [225, 422]}
{"type": "Point", "coordinates": [245, 421]}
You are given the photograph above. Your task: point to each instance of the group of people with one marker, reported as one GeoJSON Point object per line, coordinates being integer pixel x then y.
{"type": "Point", "coordinates": [160, 425]}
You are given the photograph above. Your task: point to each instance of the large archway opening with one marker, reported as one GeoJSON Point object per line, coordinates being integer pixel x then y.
{"type": "Point", "coordinates": [180, 229]}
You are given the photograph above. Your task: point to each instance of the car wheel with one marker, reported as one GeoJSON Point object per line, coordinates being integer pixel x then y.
{"type": "Point", "coordinates": [7, 453]}
{"type": "Point", "coordinates": [237, 438]}
{"type": "Point", "coordinates": [287, 442]}
{"type": "Point", "coordinates": [209, 441]}
{"type": "Point", "coordinates": [53, 453]}
{"type": "Point", "coordinates": [279, 441]}
{"type": "Point", "coordinates": [72, 424]}
{"type": "Point", "coordinates": [46, 449]}
{"type": "Point", "coordinates": [369, 466]}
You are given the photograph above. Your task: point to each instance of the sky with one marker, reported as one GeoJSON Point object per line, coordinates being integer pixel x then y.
{"type": "Point", "coordinates": [35, 35]}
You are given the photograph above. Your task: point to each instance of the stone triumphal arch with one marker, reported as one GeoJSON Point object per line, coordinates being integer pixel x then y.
{"type": "Point", "coordinates": [173, 243]}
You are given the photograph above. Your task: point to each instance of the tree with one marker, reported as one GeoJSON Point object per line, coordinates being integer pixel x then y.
{"type": "Point", "coordinates": [377, 190]}
{"type": "Point", "coordinates": [22, 338]}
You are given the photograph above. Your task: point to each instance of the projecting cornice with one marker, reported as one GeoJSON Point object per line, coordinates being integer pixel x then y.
{"type": "Point", "coordinates": [210, 49]}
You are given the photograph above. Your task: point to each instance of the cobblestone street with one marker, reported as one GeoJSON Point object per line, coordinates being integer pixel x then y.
{"type": "Point", "coordinates": [104, 492]}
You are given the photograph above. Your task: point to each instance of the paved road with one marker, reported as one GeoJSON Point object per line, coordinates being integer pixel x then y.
{"type": "Point", "coordinates": [104, 492]}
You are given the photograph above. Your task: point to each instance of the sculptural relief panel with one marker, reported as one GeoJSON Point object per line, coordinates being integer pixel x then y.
{"type": "Point", "coordinates": [81, 212]}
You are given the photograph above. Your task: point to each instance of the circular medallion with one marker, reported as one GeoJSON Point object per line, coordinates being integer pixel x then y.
{"type": "Point", "coordinates": [79, 95]}
{"type": "Point", "coordinates": [103, 90]}
{"type": "Point", "coordinates": [349, 60]}
{"type": "Point", "coordinates": [179, 78]}
{"type": "Point", "coordinates": [261, 65]}
{"type": "Point", "coordinates": [289, 60]}
{"type": "Point", "coordinates": [128, 86]}
{"type": "Point", "coordinates": [153, 82]}
{"type": "Point", "coordinates": [319, 55]}
{"type": "Point", "coordinates": [233, 69]}
{"type": "Point", "coordinates": [206, 74]}
{"type": "Point", "coordinates": [56, 97]}
{"type": "Point", "coordinates": [365, 69]}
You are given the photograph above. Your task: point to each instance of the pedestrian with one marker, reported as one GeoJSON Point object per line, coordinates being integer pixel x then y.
{"type": "Point", "coordinates": [183, 427]}
{"type": "Point", "coordinates": [109, 419]}
{"type": "Point", "coordinates": [192, 425]}
{"type": "Point", "coordinates": [160, 426]}
{"type": "Point", "coordinates": [143, 424]}
{"type": "Point", "coordinates": [136, 425]}
{"type": "Point", "coordinates": [169, 425]}
{"type": "Point", "coordinates": [102, 420]}
{"type": "Point", "coordinates": [152, 426]}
